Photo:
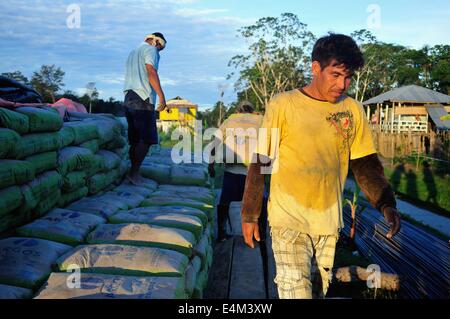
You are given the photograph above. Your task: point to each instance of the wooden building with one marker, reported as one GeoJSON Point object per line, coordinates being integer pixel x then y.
{"type": "Point", "coordinates": [183, 113]}
{"type": "Point", "coordinates": [409, 108]}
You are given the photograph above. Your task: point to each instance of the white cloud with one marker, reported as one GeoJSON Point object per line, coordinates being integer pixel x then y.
{"type": "Point", "coordinates": [188, 12]}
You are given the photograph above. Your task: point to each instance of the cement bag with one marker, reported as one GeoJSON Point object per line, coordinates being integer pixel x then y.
{"type": "Point", "coordinates": [121, 152]}
{"type": "Point", "coordinates": [94, 207]}
{"type": "Point", "coordinates": [66, 136]}
{"type": "Point", "coordinates": [14, 121]}
{"type": "Point", "coordinates": [118, 142]}
{"type": "Point", "coordinates": [144, 235]}
{"type": "Point", "coordinates": [70, 197]}
{"type": "Point", "coordinates": [111, 160]}
{"type": "Point", "coordinates": [11, 292]}
{"type": "Point", "coordinates": [40, 119]}
{"type": "Point", "coordinates": [201, 250]}
{"type": "Point", "coordinates": [13, 219]}
{"type": "Point", "coordinates": [8, 140]}
{"type": "Point", "coordinates": [157, 172]}
{"type": "Point", "coordinates": [62, 225]}
{"type": "Point", "coordinates": [200, 285]}
{"type": "Point", "coordinates": [181, 175]}
{"type": "Point", "coordinates": [145, 182]}
{"type": "Point", "coordinates": [73, 158]}
{"type": "Point", "coordinates": [97, 165]}
{"type": "Point", "coordinates": [99, 286]}
{"type": "Point", "coordinates": [178, 210]}
{"type": "Point", "coordinates": [123, 168]}
{"type": "Point", "coordinates": [129, 188]}
{"type": "Point", "coordinates": [107, 199]}
{"type": "Point", "coordinates": [83, 131]}
{"type": "Point", "coordinates": [26, 262]}
{"type": "Point", "coordinates": [153, 217]}
{"type": "Point", "coordinates": [192, 275]}
{"type": "Point", "coordinates": [43, 162]}
{"type": "Point", "coordinates": [10, 199]}
{"type": "Point", "coordinates": [107, 129]}
{"type": "Point", "coordinates": [36, 143]}
{"type": "Point", "coordinates": [91, 145]}
{"type": "Point", "coordinates": [202, 194]}
{"type": "Point", "coordinates": [125, 260]}
{"type": "Point", "coordinates": [133, 200]}
{"type": "Point", "coordinates": [99, 182]}
{"type": "Point", "coordinates": [171, 200]}
{"type": "Point", "coordinates": [73, 181]}
{"type": "Point", "coordinates": [13, 172]}
{"type": "Point", "coordinates": [47, 204]}
{"type": "Point", "coordinates": [43, 187]}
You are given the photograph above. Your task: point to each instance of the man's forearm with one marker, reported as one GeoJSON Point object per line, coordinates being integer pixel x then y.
{"type": "Point", "coordinates": [253, 193]}
{"type": "Point", "coordinates": [369, 175]}
{"type": "Point", "coordinates": [153, 78]}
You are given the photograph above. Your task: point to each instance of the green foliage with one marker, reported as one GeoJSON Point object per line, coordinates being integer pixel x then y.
{"type": "Point", "coordinates": [48, 81]}
{"type": "Point", "coordinates": [18, 76]}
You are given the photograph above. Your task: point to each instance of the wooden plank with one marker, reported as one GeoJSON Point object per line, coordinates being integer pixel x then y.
{"type": "Point", "coordinates": [235, 218]}
{"type": "Point", "coordinates": [219, 274]}
{"type": "Point", "coordinates": [247, 279]}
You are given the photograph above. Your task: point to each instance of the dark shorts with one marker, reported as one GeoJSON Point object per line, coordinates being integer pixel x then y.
{"type": "Point", "coordinates": [233, 188]}
{"type": "Point", "coordinates": [141, 126]}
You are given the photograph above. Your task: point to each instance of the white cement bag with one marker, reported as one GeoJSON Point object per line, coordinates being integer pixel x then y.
{"type": "Point", "coordinates": [62, 225]}
{"type": "Point", "coordinates": [125, 260]}
{"type": "Point", "coordinates": [26, 262]}
{"type": "Point", "coordinates": [181, 221]}
{"type": "Point", "coordinates": [144, 235]}
{"type": "Point", "coordinates": [99, 286]}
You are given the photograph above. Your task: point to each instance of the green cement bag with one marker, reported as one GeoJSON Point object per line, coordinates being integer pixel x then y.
{"type": "Point", "coordinates": [14, 121]}
{"type": "Point", "coordinates": [26, 262]}
{"type": "Point", "coordinates": [46, 204]}
{"type": "Point", "coordinates": [97, 166]}
{"type": "Point", "coordinates": [74, 158]}
{"type": "Point", "coordinates": [8, 141]}
{"type": "Point", "coordinates": [202, 194]}
{"type": "Point", "coordinates": [178, 210]}
{"type": "Point", "coordinates": [146, 183]}
{"type": "Point", "coordinates": [99, 182]}
{"type": "Point", "coordinates": [83, 131]}
{"type": "Point", "coordinates": [43, 162]}
{"type": "Point", "coordinates": [91, 145]}
{"type": "Point", "coordinates": [14, 172]}
{"type": "Point", "coordinates": [128, 188]}
{"type": "Point", "coordinates": [133, 200]}
{"type": "Point", "coordinates": [111, 160]}
{"type": "Point", "coordinates": [73, 181]}
{"type": "Point", "coordinates": [70, 197]}
{"type": "Point", "coordinates": [162, 199]}
{"type": "Point", "coordinates": [95, 207]}
{"type": "Point", "coordinates": [157, 172]}
{"type": "Point", "coordinates": [36, 143]}
{"type": "Point", "coordinates": [41, 119]}
{"type": "Point", "coordinates": [66, 136]}
{"type": "Point", "coordinates": [181, 175]}
{"type": "Point", "coordinates": [10, 199]}
{"type": "Point", "coordinates": [62, 225]}
{"type": "Point", "coordinates": [106, 199]}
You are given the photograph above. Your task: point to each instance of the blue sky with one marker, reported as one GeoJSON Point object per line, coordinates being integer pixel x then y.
{"type": "Point", "coordinates": [201, 36]}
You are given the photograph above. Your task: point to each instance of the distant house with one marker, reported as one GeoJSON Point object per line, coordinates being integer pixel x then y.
{"type": "Point", "coordinates": [183, 113]}
{"type": "Point", "coordinates": [409, 108]}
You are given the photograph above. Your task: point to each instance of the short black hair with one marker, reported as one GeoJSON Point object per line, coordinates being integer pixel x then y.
{"type": "Point", "coordinates": [245, 107]}
{"type": "Point", "coordinates": [160, 35]}
{"type": "Point", "coordinates": [339, 47]}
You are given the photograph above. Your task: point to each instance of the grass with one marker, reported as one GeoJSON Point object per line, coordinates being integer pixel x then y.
{"type": "Point", "coordinates": [424, 186]}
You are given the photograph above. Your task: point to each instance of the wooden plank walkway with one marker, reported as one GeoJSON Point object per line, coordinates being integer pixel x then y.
{"type": "Point", "coordinates": [237, 271]}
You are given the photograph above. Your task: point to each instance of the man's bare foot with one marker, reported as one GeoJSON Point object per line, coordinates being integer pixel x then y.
{"type": "Point", "coordinates": [135, 180]}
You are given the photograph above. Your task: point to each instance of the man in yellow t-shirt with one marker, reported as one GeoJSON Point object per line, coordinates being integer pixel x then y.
{"type": "Point", "coordinates": [313, 135]}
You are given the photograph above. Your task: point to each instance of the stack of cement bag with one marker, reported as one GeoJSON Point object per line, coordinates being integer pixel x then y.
{"type": "Point", "coordinates": [125, 244]}
{"type": "Point", "coordinates": [45, 162]}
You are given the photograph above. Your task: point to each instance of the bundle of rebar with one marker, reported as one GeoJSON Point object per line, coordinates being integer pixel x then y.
{"type": "Point", "coordinates": [421, 259]}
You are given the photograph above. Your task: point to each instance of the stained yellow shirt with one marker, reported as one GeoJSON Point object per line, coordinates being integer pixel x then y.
{"type": "Point", "coordinates": [311, 156]}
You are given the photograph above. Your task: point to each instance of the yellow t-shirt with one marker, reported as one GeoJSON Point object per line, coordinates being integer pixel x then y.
{"type": "Point", "coordinates": [311, 156]}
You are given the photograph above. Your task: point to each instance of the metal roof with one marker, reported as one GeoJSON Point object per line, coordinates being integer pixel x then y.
{"type": "Point", "coordinates": [436, 113]}
{"type": "Point", "coordinates": [410, 93]}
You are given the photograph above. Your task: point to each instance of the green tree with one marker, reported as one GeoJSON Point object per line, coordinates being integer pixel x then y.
{"type": "Point", "coordinates": [278, 59]}
{"type": "Point", "coordinates": [48, 81]}
{"type": "Point", "coordinates": [18, 76]}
